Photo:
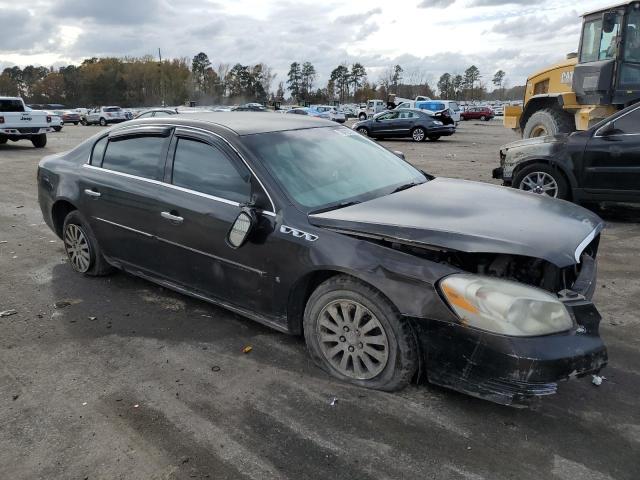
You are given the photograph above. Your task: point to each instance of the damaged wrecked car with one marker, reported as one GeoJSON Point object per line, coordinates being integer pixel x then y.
{"type": "Point", "coordinates": [312, 229]}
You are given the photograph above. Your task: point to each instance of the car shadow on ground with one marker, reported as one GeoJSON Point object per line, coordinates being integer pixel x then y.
{"type": "Point", "coordinates": [616, 212]}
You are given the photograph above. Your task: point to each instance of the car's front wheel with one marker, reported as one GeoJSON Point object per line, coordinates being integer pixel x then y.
{"type": "Point", "coordinates": [103, 122]}
{"type": "Point", "coordinates": [84, 122]}
{"type": "Point", "coordinates": [355, 334]}
{"type": "Point", "coordinates": [434, 138]}
{"type": "Point", "coordinates": [362, 116]}
{"type": "Point", "coordinates": [81, 246]}
{"type": "Point", "coordinates": [363, 131]}
{"type": "Point", "coordinates": [418, 134]}
{"type": "Point", "coordinates": [542, 179]}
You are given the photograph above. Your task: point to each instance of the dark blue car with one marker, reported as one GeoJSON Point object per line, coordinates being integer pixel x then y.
{"type": "Point", "coordinates": [406, 122]}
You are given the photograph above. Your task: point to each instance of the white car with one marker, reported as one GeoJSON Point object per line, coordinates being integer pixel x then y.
{"type": "Point", "coordinates": [19, 122]}
{"type": "Point", "coordinates": [331, 112]}
{"type": "Point", "coordinates": [373, 107]}
{"type": "Point", "coordinates": [104, 116]}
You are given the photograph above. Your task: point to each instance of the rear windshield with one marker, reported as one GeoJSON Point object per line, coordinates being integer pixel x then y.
{"type": "Point", "coordinates": [11, 106]}
{"type": "Point", "coordinates": [112, 109]}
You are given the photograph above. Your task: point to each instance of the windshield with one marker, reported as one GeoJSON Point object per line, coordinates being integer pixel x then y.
{"type": "Point", "coordinates": [323, 167]}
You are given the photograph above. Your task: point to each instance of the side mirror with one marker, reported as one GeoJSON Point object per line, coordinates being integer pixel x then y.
{"type": "Point", "coordinates": [399, 154]}
{"type": "Point", "coordinates": [241, 228]}
{"type": "Point", "coordinates": [606, 130]}
{"type": "Point", "coordinates": [609, 22]}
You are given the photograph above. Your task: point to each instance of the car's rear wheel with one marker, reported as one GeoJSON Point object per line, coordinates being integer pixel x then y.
{"type": "Point", "coordinates": [57, 129]}
{"type": "Point", "coordinates": [542, 179]}
{"type": "Point", "coordinates": [363, 131]}
{"type": "Point", "coordinates": [434, 138]}
{"type": "Point", "coordinates": [482, 118]}
{"type": "Point", "coordinates": [3, 140]}
{"type": "Point", "coordinates": [81, 246]}
{"type": "Point", "coordinates": [84, 122]}
{"type": "Point", "coordinates": [355, 334]}
{"type": "Point", "coordinates": [103, 122]}
{"type": "Point", "coordinates": [418, 134]}
{"type": "Point", "coordinates": [39, 141]}
{"type": "Point", "coordinates": [75, 123]}
{"type": "Point", "coordinates": [362, 116]}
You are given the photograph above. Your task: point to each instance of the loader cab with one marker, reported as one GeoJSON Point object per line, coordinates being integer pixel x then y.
{"type": "Point", "coordinates": [608, 69]}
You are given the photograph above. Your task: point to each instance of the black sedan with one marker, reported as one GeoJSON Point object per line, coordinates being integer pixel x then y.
{"type": "Point", "coordinates": [313, 229]}
{"type": "Point", "coordinates": [406, 122]}
{"type": "Point", "coordinates": [599, 164]}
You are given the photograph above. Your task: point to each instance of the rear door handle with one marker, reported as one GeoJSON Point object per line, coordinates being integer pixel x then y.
{"type": "Point", "coordinates": [172, 218]}
{"type": "Point", "coordinates": [92, 193]}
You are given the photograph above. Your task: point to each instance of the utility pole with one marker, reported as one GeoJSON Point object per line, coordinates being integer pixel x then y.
{"type": "Point", "coordinates": [161, 77]}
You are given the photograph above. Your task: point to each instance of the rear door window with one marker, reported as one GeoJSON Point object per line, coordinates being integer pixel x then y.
{"type": "Point", "coordinates": [142, 156]}
{"type": "Point", "coordinates": [208, 169]}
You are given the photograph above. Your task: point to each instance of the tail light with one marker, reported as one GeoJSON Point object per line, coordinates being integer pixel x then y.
{"type": "Point", "coordinates": [48, 119]}
{"type": "Point", "coordinates": [1, 119]}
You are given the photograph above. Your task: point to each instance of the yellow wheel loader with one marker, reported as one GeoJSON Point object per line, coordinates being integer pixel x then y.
{"type": "Point", "coordinates": [602, 78]}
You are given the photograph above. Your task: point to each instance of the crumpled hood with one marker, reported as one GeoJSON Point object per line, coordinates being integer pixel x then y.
{"type": "Point", "coordinates": [536, 141]}
{"type": "Point", "coordinates": [472, 217]}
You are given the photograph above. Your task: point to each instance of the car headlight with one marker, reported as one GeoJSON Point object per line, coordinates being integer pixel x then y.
{"type": "Point", "coordinates": [438, 122]}
{"type": "Point", "coordinates": [504, 307]}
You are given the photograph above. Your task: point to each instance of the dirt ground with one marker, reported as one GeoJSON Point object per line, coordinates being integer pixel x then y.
{"type": "Point", "coordinates": [116, 378]}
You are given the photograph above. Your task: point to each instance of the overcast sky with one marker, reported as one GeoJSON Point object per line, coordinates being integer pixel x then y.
{"type": "Point", "coordinates": [426, 37]}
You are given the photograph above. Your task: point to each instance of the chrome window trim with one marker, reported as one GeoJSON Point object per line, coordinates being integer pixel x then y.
{"type": "Point", "coordinates": [174, 187]}
{"type": "Point", "coordinates": [208, 132]}
{"type": "Point", "coordinates": [125, 227]}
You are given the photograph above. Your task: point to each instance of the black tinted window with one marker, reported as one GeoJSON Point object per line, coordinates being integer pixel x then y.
{"type": "Point", "coordinates": [139, 156]}
{"type": "Point", "coordinates": [630, 123]}
{"type": "Point", "coordinates": [98, 151]}
{"type": "Point", "coordinates": [11, 106]}
{"type": "Point", "coordinates": [204, 168]}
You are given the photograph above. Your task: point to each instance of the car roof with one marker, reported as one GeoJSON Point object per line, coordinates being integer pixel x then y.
{"type": "Point", "coordinates": [240, 123]}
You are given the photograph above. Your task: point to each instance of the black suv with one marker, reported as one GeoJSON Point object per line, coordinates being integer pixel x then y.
{"type": "Point", "coordinates": [599, 164]}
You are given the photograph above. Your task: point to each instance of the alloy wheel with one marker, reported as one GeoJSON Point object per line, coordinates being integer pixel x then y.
{"type": "Point", "coordinates": [539, 131]}
{"type": "Point", "coordinates": [540, 183]}
{"type": "Point", "coordinates": [363, 131]}
{"type": "Point", "coordinates": [77, 248]}
{"type": "Point", "coordinates": [352, 339]}
{"type": "Point", "coordinates": [418, 135]}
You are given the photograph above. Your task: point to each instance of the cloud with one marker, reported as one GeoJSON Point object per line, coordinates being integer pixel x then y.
{"type": "Point", "coordinates": [498, 3]}
{"type": "Point", "coordinates": [113, 12]}
{"type": "Point", "coordinates": [436, 3]}
{"type": "Point", "coordinates": [23, 32]}
{"type": "Point", "coordinates": [357, 17]}
{"type": "Point", "coordinates": [529, 26]}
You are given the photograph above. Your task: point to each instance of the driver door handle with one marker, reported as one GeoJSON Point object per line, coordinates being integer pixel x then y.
{"type": "Point", "coordinates": [92, 193]}
{"type": "Point", "coordinates": [172, 218]}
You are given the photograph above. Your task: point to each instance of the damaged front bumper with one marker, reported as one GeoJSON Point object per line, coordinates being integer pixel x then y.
{"type": "Point", "coordinates": [512, 370]}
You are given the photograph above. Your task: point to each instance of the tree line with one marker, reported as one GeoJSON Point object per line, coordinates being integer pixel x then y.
{"type": "Point", "coordinates": [145, 81]}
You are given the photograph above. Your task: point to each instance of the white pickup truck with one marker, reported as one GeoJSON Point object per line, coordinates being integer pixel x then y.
{"type": "Point", "coordinates": [17, 122]}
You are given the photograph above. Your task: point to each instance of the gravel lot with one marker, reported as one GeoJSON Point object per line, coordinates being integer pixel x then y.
{"type": "Point", "coordinates": [128, 380]}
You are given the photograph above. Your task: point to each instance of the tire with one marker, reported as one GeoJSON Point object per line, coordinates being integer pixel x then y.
{"type": "Point", "coordinates": [92, 263]}
{"type": "Point", "coordinates": [39, 141]}
{"type": "Point", "coordinates": [103, 122]}
{"type": "Point", "coordinates": [84, 122]}
{"type": "Point", "coordinates": [482, 118]}
{"type": "Point", "coordinates": [75, 123]}
{"type": "Point", "coordinates": [363, 131]}
{"type": "Point", "coordinates": [3, 140]}
{"type": "Point", "coordinates": [57, 129]}
{"type": "Point", "coordinates": [396, 345]}
{"type": "Point", "coordinates": [418, 134]}
{"type": "Point", "coordinates": [434, 138]}
{"type": "Point", "coordinates": [362, 116]}
{"type": "Point", "coordinates": [549, 121]}
{"type": "Point", "coordinates": [542, 171]}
